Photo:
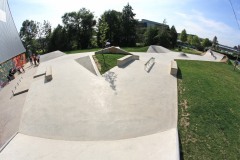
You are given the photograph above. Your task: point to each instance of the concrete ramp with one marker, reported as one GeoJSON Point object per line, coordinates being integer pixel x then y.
{"type": "Point", "coordinates": [161, 146]}
{"type": "Point", "coordinates": [113, 50]}
{"type": "Point", "coordinates": [88, 63]}
{"type": "Point", "coordinates": [51, 55]}
{"type": "Point", "coordinates": [214, 55]}
{"type": "Point", "coordinates": [157, 49]}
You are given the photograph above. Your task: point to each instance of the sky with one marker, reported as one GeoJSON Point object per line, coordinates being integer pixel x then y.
{"type": "Point", "coordinates": [205, 18]}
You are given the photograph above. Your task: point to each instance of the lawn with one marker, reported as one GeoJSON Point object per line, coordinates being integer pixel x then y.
{"type": "Point", "coordinates": [128, 49]}
{"type": "Point", "coordinates": [110, 61]}
{"type": "Point", "coordinates": [136, 49]}
{"type": "Point", "coordinates": [209, 110]}
{"type": "Point", "coordinates": [189, 51]}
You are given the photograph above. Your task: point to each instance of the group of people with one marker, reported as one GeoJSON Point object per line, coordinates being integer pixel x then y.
{"type": "Point", "coordinates": [12, 71]}
{"type": "Point", "coordinates": [34, 59]}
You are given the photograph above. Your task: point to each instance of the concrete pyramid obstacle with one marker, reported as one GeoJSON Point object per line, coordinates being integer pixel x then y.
{"type": "Point", "coordinates": [113, 50]}
{"type": "Point", "coordinates": [51, 55]}
{"type": "Point", "coordinates": [157, 49]}
{"type": "Point", "coordinates": [87, 63]}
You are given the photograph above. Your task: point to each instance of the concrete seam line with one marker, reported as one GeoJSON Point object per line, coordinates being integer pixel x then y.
{"type": "Point", "coordinates": [5, 145]}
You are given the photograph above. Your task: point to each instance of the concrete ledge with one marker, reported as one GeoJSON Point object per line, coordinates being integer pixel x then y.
{"type": "Point", "coordinates": [121, 62]}
{"type": "Point", "coordinates": [48, 76]}
{"type": "Point", "coordinates": [174, 68]}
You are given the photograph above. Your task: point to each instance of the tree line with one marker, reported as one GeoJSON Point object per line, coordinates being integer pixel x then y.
{"type": "Point", "coordinates": [79, 30]}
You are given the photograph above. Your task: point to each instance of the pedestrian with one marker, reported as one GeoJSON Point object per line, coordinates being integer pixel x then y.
{"type": "Point", "coordinates": [30, 60]}
{"type": "Point", "coordinates": [22, 67]}
{"type": "Point", "coordinates": [38, 59]}
{"type": "Point", "coordinates": [34, 59]}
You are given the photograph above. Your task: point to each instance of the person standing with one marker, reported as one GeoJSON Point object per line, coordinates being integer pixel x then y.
{"type": "Point", "coordinates": [38, 59]}
{"type": "Point", "coordinates": [34, 59]}
{"type": "Point", "coordinates": [30, 60]}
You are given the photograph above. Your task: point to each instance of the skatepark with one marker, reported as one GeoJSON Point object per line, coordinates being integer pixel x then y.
{"type": "Point", "coordinates": [126, 113]}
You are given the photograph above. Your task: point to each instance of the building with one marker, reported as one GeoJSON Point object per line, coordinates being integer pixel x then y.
{"type": "Point", "coordinates": [147, 23]}
{"type": "Point", "coordinates": [12, 51]}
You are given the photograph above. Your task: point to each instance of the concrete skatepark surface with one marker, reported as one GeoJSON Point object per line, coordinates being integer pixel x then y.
{"type": "Point", "coordinates": [127, 113]}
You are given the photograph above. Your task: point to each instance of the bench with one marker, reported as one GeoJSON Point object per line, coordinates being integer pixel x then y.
{"type": "Point", "coordinates": [48, 75]}
{"type": "Point", "coordinates": [121, 62]}
{"type": "Point", "coordinates": [174, 68]}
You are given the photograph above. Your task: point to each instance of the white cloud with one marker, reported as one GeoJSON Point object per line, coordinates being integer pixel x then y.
{"type": "Point", "coordinates": [197, 23]}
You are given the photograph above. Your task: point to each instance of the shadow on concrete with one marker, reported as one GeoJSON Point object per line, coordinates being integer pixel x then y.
{"type": "Point", "coordinates": [126, 64]}
{"type": "Point", "coordinates": [47, 81]}
{"type": "Point", "coordinates": [111, 78]}
{"type": "Point", "coordinates": [149, 70]}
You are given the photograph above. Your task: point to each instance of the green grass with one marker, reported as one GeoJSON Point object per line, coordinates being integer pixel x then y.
{"type": "Point", "coordinates": [209, 110]}
{"type": "Point", "coordinates": [110, 61]}
{"type": "Point", "coordinates": [189, 51]}
{"type": "Point", "coordinates": [128, 49]}
{"type": "Point", "coordinates": [136, 49]}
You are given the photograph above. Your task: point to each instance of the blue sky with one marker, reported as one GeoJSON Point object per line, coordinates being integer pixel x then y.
{"type": "Point", "coordinates": [205, 18]}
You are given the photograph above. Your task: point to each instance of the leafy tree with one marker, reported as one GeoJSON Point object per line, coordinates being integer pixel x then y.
{"type": "Point", "coordinates": [214, 43]}
{"type": "Point", "coordinates": [164, 37]}
{"type": "Point", "coordinates": [206, 43]}
{"type": "Point", "coordinates": [113, 19]}
{"type": "Point", "coordinates": [151, 36]}
{"type": "Point", "coordinates": [102, 29]}
{"type": "Point", "coordinates": [43, 35]}
{"type": "Point", "coordinates": [196, 42]}
{"type": "Point", "coordinates": [183, 36]}
{"type": "Point", "coordinates": [129, 25]}
{"type": "Point", "coordinates": [79, 26]}
{"type": "Point", "coordinates": [28, 34]}
{"type": "Point", "coordinates": [58, 39]}
{"type": "Point", "coordinates": [173, 37]}
{"type": "Point", "coordinates": [190, 39]}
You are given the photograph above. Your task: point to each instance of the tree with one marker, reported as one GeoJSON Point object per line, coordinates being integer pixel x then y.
{"type": "Point", "coordinates": [196, 42]}
{"type": "Point", "coordinates": [79, 26]}
{"type": "Point", "coordinates": [43, 35]}
{"type": "Point", "coordinates": [214, 43]}
{"type": "Point", "coordinates": [58, 39]}
{"type": "Point", "coordinates": [128, 26]}
{"type": "Point", "coordinates": [206, 43]}
{"type": "Point", "coordinates": [28, 34]}
{"type": "Point", "coordinates": [103, 27]}
{"type": "Point", "coordinates": [113, 19]}
{"type": "Point", "coordinates": [151, 36]}
{"type": "Point", "coordinates": [189, 39]}
{"type": "Point", "coordinates": [183, 36]}
{"type": "Point", "coordinates": [113, 33]}
{"type": "Point", "coordinates": [164, 37]}
{"type": "Point", "coordinates": [173, 37]}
